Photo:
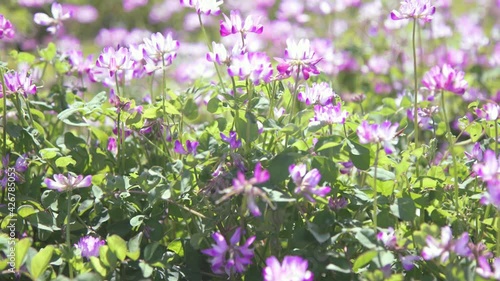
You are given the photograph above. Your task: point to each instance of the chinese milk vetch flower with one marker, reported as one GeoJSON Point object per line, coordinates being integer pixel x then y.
{"type": "Point", "coordinates": [383, 133]}
{"type": "Point", "coordinates": [230, 258]}
{"type": "Point", "coordinates": [6, 171]}
{"type": "Point", "coordinates": [6, 28]}
{"type": "Point", "coordinates": [114, 60]}
{"type": "Point", "coordinates": [476, 153]}
{"type": "Point", "coordinates": [329, 114]}
{"type": "Point", "coordinates": [293, 268]}
{"type": "Point", "coordinates": [320, 93]}
{"type": "Point", "coordinates": [307, 182]}
{"type": "Point", "coordinates": [337, 203]}
{"type": "Point", "coordinates": [234, 25]}
{"type": "Point", "coordinates": [89, 246]}
{"type": "Point", "coordinates": [445, 78]}
{"type": "Point", "coordinates": [388, 238]}
{"type": "Point", "coordinates": [129, 5]}
{"type": "Point", "coordinates": [207, 7]}
{"type": "Point", "coordinates": [489, 168]}
{"type": "Point", "coordinates": [299, 59]}
{"type": "Point", "coordinates": [190, 147]}
{"type": "Point", "coordinates": [19, 82]}
{"type": "Point", "coordinates": [248, 189]}
{"type": "Point", "coordinates": [231, 139]}
{"type": "Point", "coordinates": [486, 270]}
{"type": "Point", "coordinates": [54, 22]}
{"type": "Point", "coordinates": [408, 262]}
{"type": "Point", "coordinates": [220, 54]}
{"type": "Point", "coordinates": [255, 66]}
{"type": "Point", "coordinates": [414, 9]}
{"type": "Point", "coordinates": [79, 63]}
{"type": "Point", "coordinates": [489, 112]}
{"type": "Point", "coordinates": [65, 183]}
{"type": "Point", "coordinates": [160, 49]}
{"type": "Point", "coordinates": [444, 247]}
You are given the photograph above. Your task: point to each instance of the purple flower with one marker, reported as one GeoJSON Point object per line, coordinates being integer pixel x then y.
{"type": "Point", "coordinates": [298, 56]}
{"type": "Point", "coordinates": [129, 5]}
{"type": "Point", "coordinates": [292, 268]}
{"type": "Point", "coordinates": [115, 60]}
{"type": "Point", "coordinates": [254, 66]}
{"type": "Point", "coordinates": [19, 82]}
{"type": "Point", "coordinates": [337, 203]}
{"type": "Point", "coordinates": [378, 133]}
{"type": "Point", "coordinates": [207, 7]}
{"type": "Point", "coordinates": [320, 93]}
{"type": "Point", "coordinates": [329, 114]}
{"type": "Point", "coordinates": [79, 63]}
{"type": "Point", "coordinates": [190, 147]}
{"type": "Point", "coordinates": [221, 56]}
{"type": "Point", "coordinates": [89, 246]}
{"type": "Point", "coordinates": [489, 112]}
{"type": "Point", "coordinates": [20, 166]}
{"type": "Point", "coordinates": [489, 168]}
{"type": "Point", "coordinates": [388, 238]}
{"type": "Point", "coordinates": [442, 248]}
{"type": "Point", "coordinates": [159, 51]}
{"type": "Point", "coordinates": [307, 183]}
{"type": "Point", "coordinates": [112, 145]}
{"type": "Point", "coordinates": [230, 258]}
{"type": "Point", "coordinates": [486, 271]}
{"type": "Point", "coordinates": [476, 153]}
{"type": "Point", "coordinates": [232, 140]}
{"type": "Point", "coordinates": [414, 9]}
{"type": "Point", "coordinates": [247, 187]}
{"type": "Point", "coordinates": [445, 78]}
{"type": "Point", "coordinates": [55, 22]}
{"type": "Point", "coordinates": [234, 25]}
{"type": "Point", "coordinates": [6, 28]}
{"type": "Point", "coordinates": [62, 183]}
{"type": "Point", "coordinates": [408, 262]}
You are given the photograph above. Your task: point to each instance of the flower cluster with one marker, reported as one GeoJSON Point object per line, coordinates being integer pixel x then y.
{"type": "Point", "coordinates": [299, 59]}
{"type": "Point", "coordinates": [234, 25]}
{"type": "Point", "coordinates": [488, 169]}
{"type": "Point", "coordinates": [89, 246]}
{"type": "Point", "coordinates": [6, 28]}
{"type": "Point", "coordinates": [307, 182]}
{"type": "Point", "coordinates": [444, 247]}
{"type": "Point", "coordinates": [159, 51]}
{"type": "Point", "coordinates": [292, 268]}
{"type": "Point", "coordinates": [414, 9]}
{"type": "Point", "coordinates": [18, 82]}
{"type": "Point", "coordinates": [255, 66]}
{"type": "Point", "coordinates": [445, 78]}
{"type": "Point", "coordinates": [207, 7]}
{"type": "Point", "coordinates": [489, 112]}
{"type": "Point", "coordinates": [329, 114]}
{"type": "Point", "coordinates": [19, 168]}
{"type": "Point", "coordinates": [231, 139]}
{"type": "Point", "coordinates": [230, 258]}
{"type": "Point", "coordinates": [383, 133]}
{"type": "Point", "coordinates": [54, 23]}
{"type": "Point", "coordinates": [63, 183]}
{"type": "Point", "coordinates": [320, 93]}
{"type": "Point", "coordinates": [190, 147]}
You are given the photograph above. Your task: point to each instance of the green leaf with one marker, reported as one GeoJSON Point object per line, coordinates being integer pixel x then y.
{"type": "Point", "coordinates": [363, 260]}
{"type": "Point", "coordinates": [213, 105]}
{"type": "Point", "coordinates": [278, 166]}
{"type": "Point", "coordinates": [48, 53]}
{"type": "Point", "coordinates": [118, 246]}
{"type": "Point", "coordinates": [475, 131]}
{"type": "Point", "coordinates": [249, 133]}
{"type": "Point", "coordinates": [26, 210]}
{"type": "Point", "coordinates": [98, 266]}
{"type": "Point", "coordinates": [146, 269]}
{"type": "Point", "coordinates": [382, 174]}
{"type": "Point", "coordinates": [65, 161]}
{"type": "Point", "coordinates": [134, 247]}
{"type": "Point", "coordinates": [317, 232]}
{"type": "Point", "coordinates": [21, 248]}
{"type": "Point", "coordinates": [359, 155]}
{"type": "Point", "coordinates": [89, 276]}
{"type": "Point", "coordinates": [137, 220]}
{"type": "Point", "coordinates": [40, 261]}
{"type": "Point", "coordinates": [190, 109]}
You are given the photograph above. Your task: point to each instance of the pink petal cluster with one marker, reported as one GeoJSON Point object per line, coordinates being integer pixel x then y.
{"type": "Point", "coordinates": [158, 51]}
{"type": "Point", "coordinates": [329, 114]}
{"type": "Point", "coordinates": [307, 182]}
{"type": "Point", "coordinates": [292, 268]}
{"type": "Point", "coordinates": [207, 7]}
{"type": "Point", "coordinates": [444, 247]}
{"type": "Point", "coordinates": [255, 66]}
{"type": "Point", "coordinates": [65, 183]}
{"type": "Point", "coordinates": [414, 9]}
{"type": "Point", "coordinates": [6, 28]}
{"type": "Point", "coordinates": [221, 56]}
{"type": "Point", "coordinates": [114, 60]}
{"type": "Point", "coordinates": [445, 78]}
{"type": "Point", "coordinates": [54, 23]}
{"type": "Point", "coordinates": [378, 133]}
{"type": "Point", "coordinates": [489, 112]}
{"type": "Point", "coordinates": [19, 82]}
{"type": "Point", "coordinates": [129, 5]}
{"type": "Point", "coordinates": [234, 25]}
{"type": "Point", "coordinates": [299, 59]}
{"type": "Point", "coordinates": [320, 93]}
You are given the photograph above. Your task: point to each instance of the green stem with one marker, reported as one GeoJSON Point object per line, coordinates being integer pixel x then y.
{"type": "Point", "coordinates": [210, 49]}
{"type": "Point", "coordinates": [496, 137]}
{"type": "Point", "coordinates": [448, 134]}
{"type": "Point", "coordinates": [294, 98]}
{"type": "Point", "coordinates": [415, 102]}
{"type": "Point", "coordinates": [250, 95]}
{"type": "Point", "coordinates": [236, 107]}
{"type": "Point", "coordinates": [4, 120]}
{"type": "Point", "coordinates": [68, 234]}
{"type": "Point", "coordinates": [498, 234]}
{"type": "Point", "coordinates": [375, 194]}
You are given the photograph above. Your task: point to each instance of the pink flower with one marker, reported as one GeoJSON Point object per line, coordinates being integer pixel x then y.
{"type": "Point", "coordinates": [19, 82]}
{"type": "Point", "coordinates": [329, 114]}
{"type": "Point", "coordinates": [292, 268]}
{"type": "Point", "coordinates": [489, 112]}
{"type": "Point", "coordinates": [320, 93]}
{"type": "Point", "coordinates": [298, 56]}
{"type": "Point", "coordinates": [6, 28]}
{"type": "Point", "coordinates": [414, 9]}
{"type": "Point", "coordinates": [254, 66]}
{"type": "Point", "coordinates": [307, 183]}
{"type": "Point", "coordinates": [221, 56]}
{"type": "Point", "coordinates": [446, 79]}
{"type": "Point", "coordinates": [235, 25]}
{"type": "Point", "coordinates": [79, 63]}
{"type": "Point", "coordinates": [485, 269]}
{"type": "Point", "coordinates": [378, 133]}
{"type": "Point", "coordinates": [442, 248]}
{"type": "Point", "coordinates": [190, 147]}
{"type": "Point", "coordinates": [388, 238]}
{"type": "Point", "coordinates": [129, 5]}
{"type": "Point", "coordinates": [115, 60]}
{"type": "Point", "coordinates": [55, 22]}
{"type": "Point", "coordinates": [62, 183]}
{"type": "Point", "coordinates": [207, 7]}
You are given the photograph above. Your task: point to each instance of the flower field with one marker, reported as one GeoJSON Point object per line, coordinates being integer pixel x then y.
{"type": "Point", "coordinates": [274, 140]}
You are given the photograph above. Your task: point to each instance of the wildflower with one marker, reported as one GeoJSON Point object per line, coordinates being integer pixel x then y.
{"type": "Point", "coordinates": [6, 172]}
{"type": "Point", "coordinates": [489, 112]}
{"type": "Point", "coordinates": [221, 56]}
{"type": "Point", "coordinates": [298, 57]}
{"type": "Point", "coordinates": [346, 167]}
{"type": "Point", "coordinates": [307, 183]}
{"type": "Point", "coordinates": [79, 63]}
{"type": "Point", "coordinates": [414, 9]}
{"type": "Point", "coordinates": [489, 169]}
{"type": "Point", "coordinates": [190, 147]}
{"type": "Point", "coordinates": [445, 78]}
{"type": "Point", "coordinates": [408, 262]}
{"type": "Point", "coordinates": [388, 238]}
{"type": "Point", "coordinates": [233, 142]}
{"type": "Point", "coordinates": [476, 153]}
{"type": "Point", "coordinates": [329, 114]}
{"type": "Point", "coordinates": [89, 246]}
{"type": "Point", "coordinates": [486, 271]}
{"type": "Point", "coordinates": [6, 28]}
{"type": "Point", "coordinates": [337, 203]}
{"type": "Point", "coordinates": [115, 60]}
{"type": "Point", "coordinates": [112, 145]}
{"type": "Point", "coordinates": [254, 66]}
{"type": "Point", "coordinates": [248, 189]}
{"type": "Point", "coordinates": [235, 25]}
{"type": "Point", "coordinates": [230, 258]}
{"type": "Point", "coordinates": [320, 93]}
{"type": "Point", "coordinates": [160, 48]}
{"type": "Point", "coordinates": [378, 133]}
{"type": "Point", "coordinates": [292, 268]}
{"type": "Point", "coordinates": [278, 112]}
{"type": "Point", "coordinates": [129, 5]}
{"type": "Point", "coordinates": [62, 183]}
{"type": "Point", "coordinates": [446, 245]}
{"type": "Point", "coordinates": [207, 7]}
{"type": "Point", "coordinates": [19, 82]}
{"type": "Point", "coordinates": [53, 23]}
